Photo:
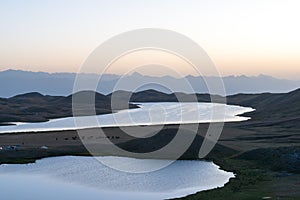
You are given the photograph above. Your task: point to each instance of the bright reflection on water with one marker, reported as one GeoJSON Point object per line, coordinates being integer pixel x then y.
{"type": "Point", "coordinates": [72, 178]}
{"type": "Point", "coordinates": [148, 114]}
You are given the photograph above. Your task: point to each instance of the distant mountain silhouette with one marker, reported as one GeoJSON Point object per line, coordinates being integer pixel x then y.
{"type": "Point", "coordinates": [14, 82]}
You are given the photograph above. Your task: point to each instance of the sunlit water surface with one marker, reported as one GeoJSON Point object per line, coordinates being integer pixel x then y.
{"type": "Point", "coordinates": [77, 178]}
{"type": "Point", "coordinates": [147, 114]}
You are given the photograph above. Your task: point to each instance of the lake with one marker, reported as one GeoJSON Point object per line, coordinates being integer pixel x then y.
{"type": "Point", "coordinates": [72, 178]}
{"type": "Point", "coordinates": [147, 114]}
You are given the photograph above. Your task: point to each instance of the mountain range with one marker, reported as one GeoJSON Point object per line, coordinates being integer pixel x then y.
{"type": "Point", "coordinates": [15, 82]}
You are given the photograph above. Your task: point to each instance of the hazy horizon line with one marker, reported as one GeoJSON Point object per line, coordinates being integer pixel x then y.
{"type": "Point", "coordinates": [115, 74]}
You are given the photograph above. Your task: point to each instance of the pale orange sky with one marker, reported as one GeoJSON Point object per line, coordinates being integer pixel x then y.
{"type": "Point", "coordinates": [241, 37]}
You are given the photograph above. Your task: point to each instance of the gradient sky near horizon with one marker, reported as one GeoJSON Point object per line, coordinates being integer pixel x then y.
{"type": "Point", "coordinates": [241, 37]}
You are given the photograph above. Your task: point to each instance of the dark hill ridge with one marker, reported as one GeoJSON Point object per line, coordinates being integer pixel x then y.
{"type": "Point", "coordinates": [270, 106]}
{"type": "Point", "coordinates": [165, 136]}
{"type": "Point", "coordinates": [157, 96]}
{"type": "Point", "coordinates": [35, 107]}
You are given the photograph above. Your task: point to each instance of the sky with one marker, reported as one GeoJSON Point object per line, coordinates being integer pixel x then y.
{"type": "Point", "coordinates": [241, 37]}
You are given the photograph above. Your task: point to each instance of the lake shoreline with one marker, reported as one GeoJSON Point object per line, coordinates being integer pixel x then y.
{"type": "Point", "coordinates": [249, 171]}
{"type": "Point", "coordinates": [148, 114]}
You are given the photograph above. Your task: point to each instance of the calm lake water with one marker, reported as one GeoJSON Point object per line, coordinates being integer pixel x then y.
{"type": "Point", "coordinates": [72, 178]}
{"type": "Point", "coordinates": [147, 114]}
